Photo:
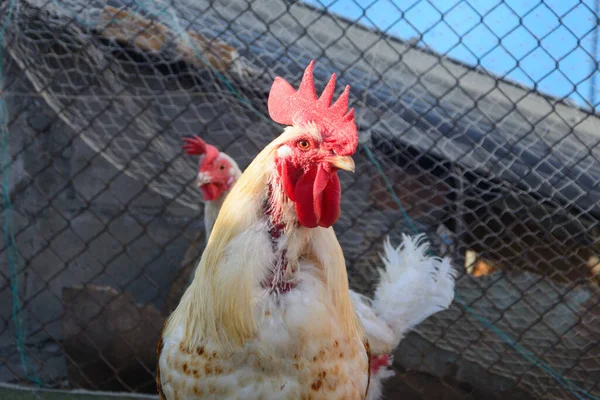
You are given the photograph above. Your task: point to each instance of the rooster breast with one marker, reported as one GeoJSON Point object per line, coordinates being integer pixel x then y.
{"type": "Point", "coordinates": [299, 352]}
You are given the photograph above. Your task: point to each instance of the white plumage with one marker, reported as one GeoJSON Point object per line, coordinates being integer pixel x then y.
{"type": "Point", "coordinates": [412, 287]}
{"type": "Point", "coordinates": [300, 343]}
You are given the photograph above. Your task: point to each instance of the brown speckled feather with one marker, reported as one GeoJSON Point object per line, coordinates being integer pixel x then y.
{"type": "Point", "coordinates": [317, 373]}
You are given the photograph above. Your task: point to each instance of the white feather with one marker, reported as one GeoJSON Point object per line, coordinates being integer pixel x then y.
{"type": "Point", "coordinates": [413, 286]}
{"type": "Point", "coordinates": [284, 151]}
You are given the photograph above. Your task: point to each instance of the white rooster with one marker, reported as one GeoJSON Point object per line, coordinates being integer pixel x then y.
{"type": "Point", "coordinates": [412, 286]}
{"type": "Point", "coordinates": [269, 313]}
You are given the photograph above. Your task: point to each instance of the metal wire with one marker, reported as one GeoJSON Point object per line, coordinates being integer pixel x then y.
{"type": "Point", "coordinates": [499, 175]}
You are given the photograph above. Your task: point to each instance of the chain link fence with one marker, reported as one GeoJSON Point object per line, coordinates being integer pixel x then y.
{"type": "Point", "coordinates": [102, 221]}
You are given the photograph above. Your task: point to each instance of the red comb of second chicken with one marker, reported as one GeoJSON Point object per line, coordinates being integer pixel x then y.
{"type": "Point", "coordinates": [195, 146]}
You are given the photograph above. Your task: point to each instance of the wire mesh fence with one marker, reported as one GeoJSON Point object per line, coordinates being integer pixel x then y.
{"type": "Point", "coordinates": [102, 219]}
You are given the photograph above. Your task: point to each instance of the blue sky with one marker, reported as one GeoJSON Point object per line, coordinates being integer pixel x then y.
{"type": "Point", "coordinates": [546, 42]}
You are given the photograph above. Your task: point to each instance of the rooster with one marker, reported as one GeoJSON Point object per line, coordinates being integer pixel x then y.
{"type": "Point", "coordinates": [273, 266]}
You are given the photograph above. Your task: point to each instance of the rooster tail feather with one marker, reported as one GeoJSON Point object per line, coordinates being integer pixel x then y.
{"type": "Point", "coordinates": [413, 285]}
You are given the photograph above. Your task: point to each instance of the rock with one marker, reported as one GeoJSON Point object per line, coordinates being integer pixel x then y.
{"type": "Point", "coordinates": [109, 341]}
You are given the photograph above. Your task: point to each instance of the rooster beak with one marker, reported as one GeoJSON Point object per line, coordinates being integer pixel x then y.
{"type": "Point", "coordinates": [342, 162]}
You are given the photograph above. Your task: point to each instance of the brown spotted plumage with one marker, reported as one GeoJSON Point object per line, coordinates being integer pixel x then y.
{"type": "Point", "coordinates": [335, 368]}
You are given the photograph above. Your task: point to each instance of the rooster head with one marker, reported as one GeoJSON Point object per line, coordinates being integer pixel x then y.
{"type": "Point", "coordinates": [216, 172]}
{"type": "Point", "coordinates": [321, 139]}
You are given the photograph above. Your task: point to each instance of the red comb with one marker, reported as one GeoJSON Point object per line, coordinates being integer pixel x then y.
{"type": "Point", "coordinates": [288, 107]}
{"type": "Point", "coordinates": [195, 146]}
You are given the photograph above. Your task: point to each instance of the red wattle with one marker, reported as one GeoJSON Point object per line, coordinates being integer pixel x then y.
{"type": "Point", "coordinates": [317, 197]}
{"type": "Point", "coordinates": [303, 194]}
{"type": "Point", "coordinates": [378, 362]}
{"type": "Point", "coordinates": [211, 191]}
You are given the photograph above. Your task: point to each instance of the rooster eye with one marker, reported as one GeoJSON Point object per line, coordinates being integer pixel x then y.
{"type": "Point", "coordinates": [222, 167]}
{"type": "Point", "coordinates": [303, 144]}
